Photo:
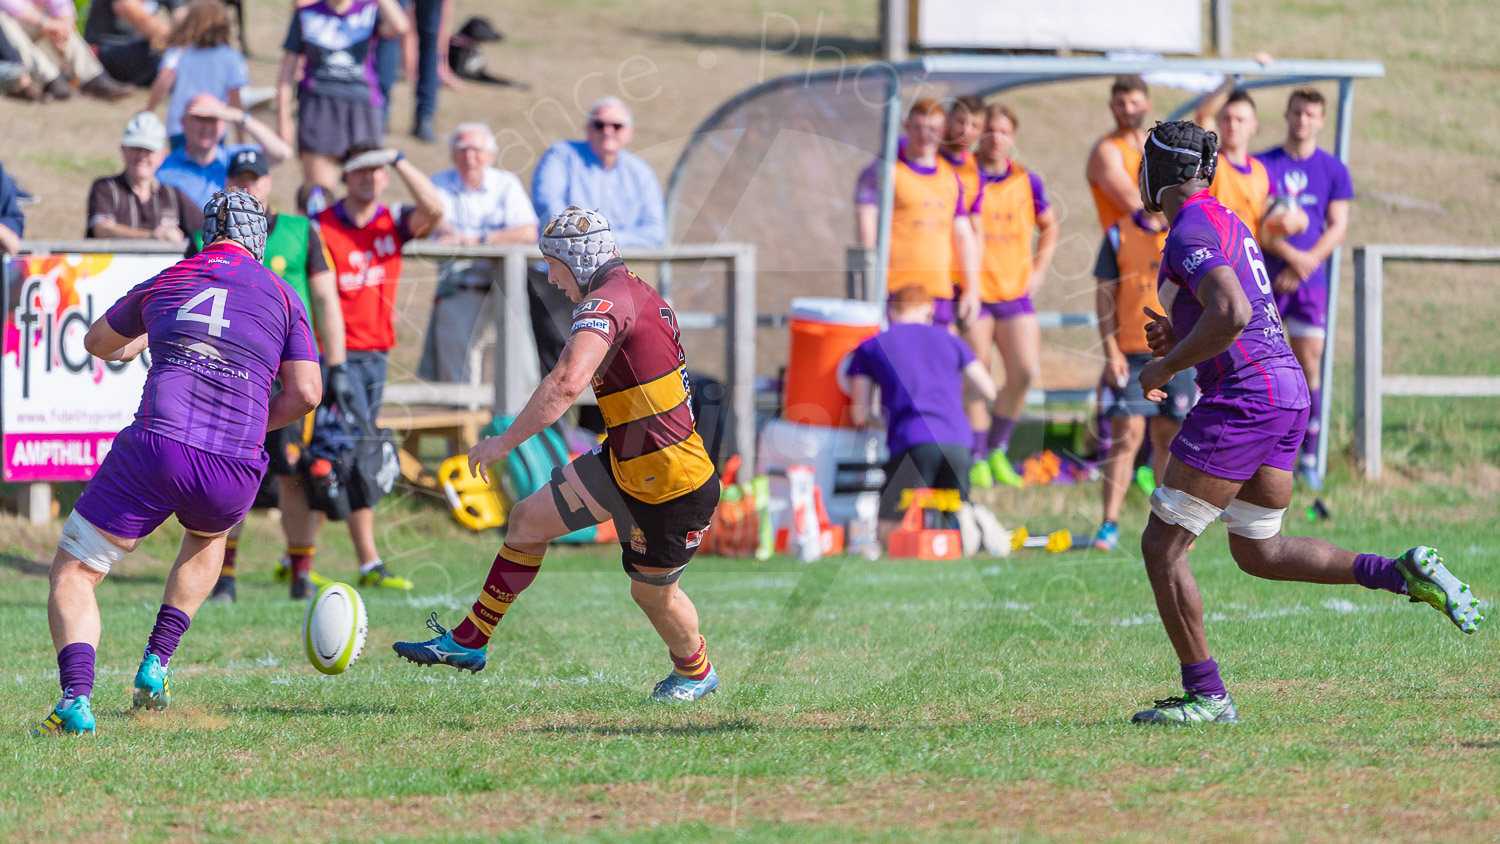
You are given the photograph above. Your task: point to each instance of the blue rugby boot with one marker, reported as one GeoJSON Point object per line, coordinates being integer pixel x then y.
{"type": "Point", "coordinates": [1429, 581]}
{"type": "Point", "coordinates": [677, 687]}
{"type": "Point", "coordinates": [1108, 536]}
{"type": "Point", "coordinates": [153, 684]}
{"type": "Point", "coordinates": [1190, 709]}
{"type": "Point", "coordinates": [77, 719]}
{"type": "Point", "coordinates": [441, 651]}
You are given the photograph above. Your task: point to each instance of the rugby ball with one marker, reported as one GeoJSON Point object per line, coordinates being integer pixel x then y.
{"type": "Point", "coordinates": [1283, 217]}
{"type": "Point", "coordinates": [334, 628]}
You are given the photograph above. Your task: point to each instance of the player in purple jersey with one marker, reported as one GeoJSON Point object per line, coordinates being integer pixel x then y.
{"type": "Point", "coordinates": [219, 327]}
{"type": "Point", "coordinates": [1232, 460]}
{"type": "Point", "coordinates": [1319, 183]}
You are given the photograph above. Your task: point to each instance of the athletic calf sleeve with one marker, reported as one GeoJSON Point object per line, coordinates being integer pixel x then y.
{"type": "Point", "coordinates": [75, 669]}
{"type": "Point", "coordinates": [511, 573]}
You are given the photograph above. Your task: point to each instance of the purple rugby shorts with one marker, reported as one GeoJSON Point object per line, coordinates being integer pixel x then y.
{"type": "Point", "coordinates": [944, 312]}
{"type": "Point", "coordinates": [1231, 440]}
{"type": "Point", "coordinates": [147, 477]}
{"type": "Point", "coordinates": [1304, 311]}
{"type": "Point", "coordinates": [1007, 310]}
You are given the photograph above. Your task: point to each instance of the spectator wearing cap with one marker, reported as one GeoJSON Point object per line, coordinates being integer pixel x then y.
{"type": "Point", "coordinates": [134, 204]}
{"type": "Point", "coordinates": [33, 25]}
{"type": "Point", "coordinates": [481, 204]}
{"type": "Point", "coordinates": [599, 174]}
{"type": "Point", "coordinates": [12, 221]}
{"type": "Point", "coordinates": [130, 36]}
{"type": "Point", "coordinates": [201, 168]}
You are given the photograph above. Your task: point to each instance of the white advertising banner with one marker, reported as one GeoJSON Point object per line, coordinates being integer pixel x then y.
{"type": "Point", "coordinates": [61, 406]}
{"type": "Point", "coordinates": [1158, 26]}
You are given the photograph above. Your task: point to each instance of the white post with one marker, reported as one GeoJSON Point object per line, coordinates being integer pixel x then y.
{"type": "Point", "coordinates": [741, 306]}
{"type": "Point", "coordinates": [1367, 360]}
{"type": "Point", "coordinates": [35, 503]}
{"type": "Point", "coordinates": [513, 322]}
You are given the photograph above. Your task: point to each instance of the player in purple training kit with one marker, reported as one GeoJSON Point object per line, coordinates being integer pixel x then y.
{"type": "Point", "coordinates": [220, 327]}
{"type": "Point", "coordinates": [1233, 459]}
{"type": "Point", "coordinates": [1319, 183]}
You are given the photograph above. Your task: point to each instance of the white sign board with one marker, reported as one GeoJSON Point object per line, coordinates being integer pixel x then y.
{"type": "Point", "coordinates": [1158, 26]}
{"type": "Point", "coordinates": [61, 406]}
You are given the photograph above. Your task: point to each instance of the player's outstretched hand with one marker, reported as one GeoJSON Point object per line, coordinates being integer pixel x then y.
{"type": "Point", "coordinates": [1154, 376]}
{"type": "Point", "coordinates": [1159, 334]}
{"type": "Point", "coordinates": [489, 450]}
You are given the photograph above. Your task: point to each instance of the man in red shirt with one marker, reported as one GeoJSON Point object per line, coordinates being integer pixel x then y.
{"type": "Point", "coordinates": [363, 238]}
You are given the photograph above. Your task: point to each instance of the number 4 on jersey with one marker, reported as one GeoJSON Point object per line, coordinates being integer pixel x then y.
{"type": "Point", "coordinates": [214, 319]}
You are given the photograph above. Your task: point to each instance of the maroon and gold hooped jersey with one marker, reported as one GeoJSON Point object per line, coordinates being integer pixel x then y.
{"type": "Point", "coordinates": [642, 388]}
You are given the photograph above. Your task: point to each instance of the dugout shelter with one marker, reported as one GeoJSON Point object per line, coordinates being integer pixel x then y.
{"type": "Point", "coordinates": [775, 166]}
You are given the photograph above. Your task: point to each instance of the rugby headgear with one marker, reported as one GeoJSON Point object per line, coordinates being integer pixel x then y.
{"type": "Point", "coordinates": [1175, 153]}
{"type": "Point", "coordinates": [238, 216]}
{"type": "Point", "coordinates": [581, 240]}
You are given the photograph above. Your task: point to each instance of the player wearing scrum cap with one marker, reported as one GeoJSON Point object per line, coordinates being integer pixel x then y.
{"type": "Point", "coordinates": [219, 327]}
{"type": "Point", "coordinates": [651, 474]}
{"type": "Point", "coordinates": [1233, 459]}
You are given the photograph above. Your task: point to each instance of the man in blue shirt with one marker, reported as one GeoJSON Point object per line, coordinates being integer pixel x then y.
{"type": "Point", "coordinates": [598, 174]}
{"type": "Point", "coordinates": [201, 167]}
{"type": "Point", "coordinates": [12, 221]}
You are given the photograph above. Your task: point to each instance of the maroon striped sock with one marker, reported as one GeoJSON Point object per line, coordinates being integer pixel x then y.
{"type": "Point", "coordinates": [511, 573]}
{"type": "Point", "coordinates": [694, 667]}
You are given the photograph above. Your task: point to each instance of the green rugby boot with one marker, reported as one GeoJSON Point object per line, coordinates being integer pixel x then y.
{"type": "Point", "coordinates": [1191, 709]}
{"type": "Point", "coordinates": [1002, 471]}
{"type": "Point", "coordinates": [1429, 581]}
{"type": "Point", "coordinates": [980, 476]}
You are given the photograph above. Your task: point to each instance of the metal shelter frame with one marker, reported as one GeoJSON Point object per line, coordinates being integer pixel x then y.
{"type": "Point", "coordinates": [1011, 72]}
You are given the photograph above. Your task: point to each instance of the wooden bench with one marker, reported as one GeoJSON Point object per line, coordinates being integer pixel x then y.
{"type": "Point", "coordinates": [459, 428]}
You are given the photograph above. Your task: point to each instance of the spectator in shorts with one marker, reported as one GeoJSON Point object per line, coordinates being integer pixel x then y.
{"type": "Point", "coordinates": [363, 238]}
{"type": "Point", "coordinates": [1319, 183]}
{"type": "Point", "coordinates": [1011, 214]}
{"type": "Point", "coordinates": [199, 61]}
{"type": "Point", "coordinates": [12, 221]}
{"type": "Point", "coordinates": [599, 174]}
{"type": "Point", "coordinates": [931, 233]}
{"type": "Point", "coordinates": [922, 371]}
{"type": "Point", "coordinates": [295, 253]}
{"type": "Point", "coordinates": [338, 103]}
{"type": "Point", "coordinates": [129, 36]}
{"type": "Point", "coordinates": [1116, 157]}
{"type": "Point", "coordinates": [1128, 265]}
{"type": "Point", "coordinates": [133, 204]}
{"type": "Point", "coordinates": [481, 205]}
{"type": "Point", "coordinates": [35, 27]}
{"type": "Point", "coordinates": [201, 167]}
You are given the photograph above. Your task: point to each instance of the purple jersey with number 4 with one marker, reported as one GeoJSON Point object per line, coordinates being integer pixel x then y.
{"type": "Point", "coordinates": [221, 325]}
{"type": "Point", "coordinates": [1259, 366]}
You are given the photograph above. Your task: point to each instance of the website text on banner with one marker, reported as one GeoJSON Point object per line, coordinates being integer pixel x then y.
{"type": "Point", "coordinates": [62, 407]}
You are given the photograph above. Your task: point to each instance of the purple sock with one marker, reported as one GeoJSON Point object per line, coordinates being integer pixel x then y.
{"type": "Point", "coordinates": [1202, 678]}
{"type": "Point", "coordinates": [1000, 430]}
{"type": "Point", "coordinates": [171, 623]}
{"type": "Point", "coordinates": [75, 669]}
{"type": "Point", "coordinates": [980, 440]}
{"type": "Point", "coordinates": [1373, 571]}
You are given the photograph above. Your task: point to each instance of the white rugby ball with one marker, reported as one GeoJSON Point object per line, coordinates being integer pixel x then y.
{"type": "Point", "coordinates": [334, 628]}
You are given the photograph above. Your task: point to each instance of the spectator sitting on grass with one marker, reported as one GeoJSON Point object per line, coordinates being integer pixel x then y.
{"type": "Point", "coordinates": [29, 25]}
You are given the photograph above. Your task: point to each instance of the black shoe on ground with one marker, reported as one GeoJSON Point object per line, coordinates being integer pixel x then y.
{"type": "Point", "coordinates": [223, 591]}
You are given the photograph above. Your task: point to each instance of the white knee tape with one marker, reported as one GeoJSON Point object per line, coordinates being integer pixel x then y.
{"type": "Point", "coordinates": [1251, 520]}
{"type": "Point", "coordinates": [85, 542]}
{"type": "Point", "coordinates": [1176, 507]}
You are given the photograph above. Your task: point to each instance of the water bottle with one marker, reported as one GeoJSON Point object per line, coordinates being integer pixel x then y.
{"type": "Point", "coordinates": [324, 478]}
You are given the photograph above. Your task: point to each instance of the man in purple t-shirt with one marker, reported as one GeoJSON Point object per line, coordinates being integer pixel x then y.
{"type": "Point", "coordinates": [921, 371]}
{"type": "Point", "coordinates": [1233, 458]}
{"type": "Point", "coordinates": [220, 327]}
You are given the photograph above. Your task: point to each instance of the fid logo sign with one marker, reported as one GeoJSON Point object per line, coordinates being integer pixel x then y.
{"type": "Point", "coordinates": [61, 334]}
{"type": "Point", "coordinates": [1195, 260]}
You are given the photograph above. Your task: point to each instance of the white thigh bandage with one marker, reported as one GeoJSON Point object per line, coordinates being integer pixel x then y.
{"type": "Point", "coordinates": [1251, 520]}
{"type": "Point", "coordinates": [1298, 328]}
{"type": "Point", "coordinates": [85, 542]}
{"type": "Point", "coordinates": [1176, 507]}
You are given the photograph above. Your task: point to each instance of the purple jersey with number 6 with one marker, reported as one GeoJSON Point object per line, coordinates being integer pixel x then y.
{"type": "Point", "coordinates": [1259, 366]}
{"type": "Point", "coordinates": [220, 326]}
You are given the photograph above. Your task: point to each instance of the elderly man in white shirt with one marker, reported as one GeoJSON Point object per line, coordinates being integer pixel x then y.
{"type": "Point", "coordinates": [481, 204]}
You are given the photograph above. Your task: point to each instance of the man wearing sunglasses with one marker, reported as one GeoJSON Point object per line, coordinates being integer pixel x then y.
{"type": "Point", "coordinates": [599, 174]}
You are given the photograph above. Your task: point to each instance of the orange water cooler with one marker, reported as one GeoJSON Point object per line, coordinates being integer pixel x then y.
{"type": "Point", "coordinates": [825, 333]}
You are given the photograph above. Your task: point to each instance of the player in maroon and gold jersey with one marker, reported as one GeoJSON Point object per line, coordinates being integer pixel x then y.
{"type": "Point", "coordinates": [651, 474]}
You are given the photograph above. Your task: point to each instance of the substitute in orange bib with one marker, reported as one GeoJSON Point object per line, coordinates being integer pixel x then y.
{"type": "Point", "coordinates": [1127, 268]}
{"type": "Point", "coordinates": [363, 237]}
{"type": "Point", "coordinates": [930, 225]}
{"type": "Point", "coordinates": [651, 474]}
{"type": "Point", "coordinates": [1019, 231]}
{"type": "Point", "coordinates": [1117, 156]}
